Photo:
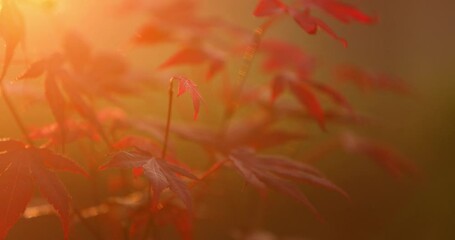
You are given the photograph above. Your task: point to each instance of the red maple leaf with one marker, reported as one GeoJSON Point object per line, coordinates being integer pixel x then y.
{"type": "Point", "coordinates": [160, 173]}
{"type": "Point", "coordinates": [151, 34]}
{"type": "Point", "coordinates": [269, 7]}
{"type": "Point", "coordinates": [281, 56]}
{"type": "Point", "coordinates": [303, 92]}
{"type": "Point", "coordinates": [278, 173]}
{"type": "Point", "coordinates": [334, 95]}
{"type": "Point", "coordinates": [21, 168]}
{"type": "Point", "coordinates": [300, 11]}
{"type": "Point", "coordinates": [195, 56]}
{"type": "Point", "coordinates": [186, 85]}
{"type": "Point", "coordinates": [311, 25]}
{"type": "Point", "coordinates": [342, 11]}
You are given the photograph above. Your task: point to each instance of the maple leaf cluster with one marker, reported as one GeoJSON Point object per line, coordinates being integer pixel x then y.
{"type": "Point", "coordinates": [77, 79]}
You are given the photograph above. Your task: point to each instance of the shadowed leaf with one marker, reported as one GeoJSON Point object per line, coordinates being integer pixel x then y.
{"type": "Point", "coordinates": [279, 173]}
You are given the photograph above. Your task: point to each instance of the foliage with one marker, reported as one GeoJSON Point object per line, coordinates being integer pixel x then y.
{"type": "Point", "coordinates": [77, 78]}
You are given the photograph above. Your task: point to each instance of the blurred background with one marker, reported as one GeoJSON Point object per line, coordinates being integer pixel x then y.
{"type": "Point", "coordinates": [413, 40]}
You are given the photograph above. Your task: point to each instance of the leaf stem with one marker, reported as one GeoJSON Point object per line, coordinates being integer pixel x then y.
{"type": "Point", "coordinates": [210, 171]}
{"type": "Point", "coordinates": [168, 120]}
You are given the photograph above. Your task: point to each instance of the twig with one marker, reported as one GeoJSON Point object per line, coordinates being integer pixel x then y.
{"type": "Point", "coordinates": [168, 120]}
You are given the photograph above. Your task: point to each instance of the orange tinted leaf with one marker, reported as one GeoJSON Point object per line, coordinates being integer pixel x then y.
{"type": "Point", "coordinates": [35, 70]}
{"type": "Point", "coordinates": [342, 11]}
{"type": "Point", "coordinates": [50, 65]}
{"type": "Point", "coordinates": [197, 55]}
{"type": "Point", "coordinates": [214, 67]}
{"type": "Point", "coordinates": [336, 96]}
{"type": "Point", "coordinates": [185, 56]}
{"type": "Point", "coordinates": [269, 7]}
{"type": "Point", "coordinates": [301, 12]}
{"type": "Point", "coordinates": [306, 97]}
{"type": "Point", "coordinates": [305, 21]}
{"type": "Point", "coordinates": [151, 34]}
{"type": "Point", "coordinates": [311, 24]}
{"type": "Point", "coordinates": [177, 12]}
{"type": "Point", "coordinates": [186, 85]}
{"type": "Point", "coordinates": [286, 56]}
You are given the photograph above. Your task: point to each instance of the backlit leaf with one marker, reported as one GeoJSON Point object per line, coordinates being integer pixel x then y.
{"type": "Point", "coordinates": [186, 85]}
{"type": "Point", "coordinates": [24, 166]}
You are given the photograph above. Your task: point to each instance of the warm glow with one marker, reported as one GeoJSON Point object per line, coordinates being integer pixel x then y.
{"type": "Point", "coordinates": [226, 119]}
{"type": "Point", "coordinates": [45, 4]}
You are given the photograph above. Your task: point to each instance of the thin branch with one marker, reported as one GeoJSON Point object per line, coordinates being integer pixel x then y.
{"type": "Point", "coordinates": [168, 120]}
